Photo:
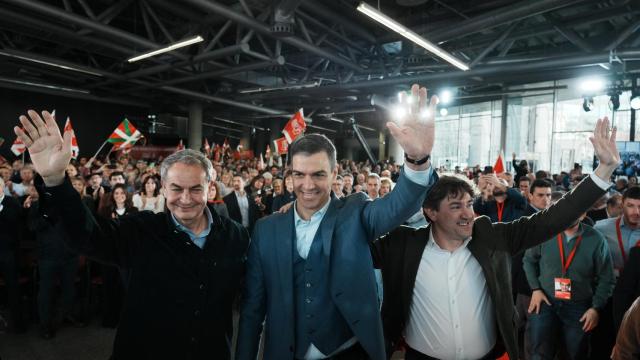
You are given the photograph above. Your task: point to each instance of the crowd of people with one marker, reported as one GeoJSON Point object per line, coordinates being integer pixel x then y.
{"type": "Point", "coordinates": [548, 255]}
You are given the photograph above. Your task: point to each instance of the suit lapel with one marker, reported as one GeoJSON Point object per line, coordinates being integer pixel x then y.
{"type": "Point", "coordinates": [328, 224]}
{"type": "Point", "coordinates": [285, 233]}
{"type": "Point", "coordinates": [481, 253]}
{"type": "Point", "coordinates": [412, 255]}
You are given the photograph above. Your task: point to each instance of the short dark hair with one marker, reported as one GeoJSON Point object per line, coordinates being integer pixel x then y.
{"type": "Point", "coordinates": [539, 183]}
{"type": "Point", "coordinates": [613, 199]}
{"type": "Point", "coordinates": [524, 178]}
{"type": "Point", "coordinates": [116, 173]}
{"type": "Point", "coordinates": [631, 193]}
{"type": "Point", "coordinates": [452, 185]}
{"type": "Point", "coordinates": [313, 144]}
{"type": "Point", "coordinates": [541, 174]}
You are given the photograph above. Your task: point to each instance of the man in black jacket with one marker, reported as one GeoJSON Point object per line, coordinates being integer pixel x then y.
{"type": "Point", "coordinates": [448, 286]}
{"type": "Point", "coordinates": [185, 265]}
{"type": "Point", "coordinates": [242, 208]}
{"type": "Point", "coordinates": [9, 238]}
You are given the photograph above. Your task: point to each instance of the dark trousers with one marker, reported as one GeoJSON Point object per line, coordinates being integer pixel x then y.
{"type": "Point", "coordinates": [9, 272]}
{"type": "Point", "coordinates": [50, 270]}
{"type": "Point", "coordinates": [558, 321]}
{"type": "Point", "coordinates": [113, 300]}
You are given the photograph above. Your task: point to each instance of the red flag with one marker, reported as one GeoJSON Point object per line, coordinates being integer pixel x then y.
{"type": "Point", "coordinates": [498, 168]}
{"type": "Point", "coordinates": [217, 151]}
{"type": "Point", "coordinates": [281, 145]}
{"type": "Point", "coordinates": [295, 126]}
{"type": "Point", "coordinates": [18, 147]}
{"type": "Point", "coordinates": [75, 150]}
{"type": "Point", "coordinates": [180, 146]}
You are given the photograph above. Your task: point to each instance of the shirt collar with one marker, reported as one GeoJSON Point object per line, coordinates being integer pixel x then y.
{"type": "Point", "coordinates": [204, 233]}
{"type": "Point", "coordinates": [317, 215]}
{"type": "Point", "coordinates": [432, 243]}
{"type": "Point", "coordinates": [2, 198]}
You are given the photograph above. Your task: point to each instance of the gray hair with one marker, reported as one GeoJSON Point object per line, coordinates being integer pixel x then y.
{"type": "Point", "coordinates": [187, 157]}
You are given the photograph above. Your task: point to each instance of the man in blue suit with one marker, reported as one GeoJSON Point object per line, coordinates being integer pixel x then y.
{"type": "Point", "coordinates": [309, 270]}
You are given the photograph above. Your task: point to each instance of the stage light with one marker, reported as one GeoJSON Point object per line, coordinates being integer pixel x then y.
{"type": "Point", "coordinates": [444, 112]}
{"type": "Point", "coordinates": [634, 101]}
{"type": "Point", "coordinates": [587, 104]}
{"type": "Point", "coordinates": [171, 47]}
{"type": "Point", "coordinates": [409, 34]}
{"type": "Point", "coordinates": [445, 96]}
{"type": "Point", "coordinates": [424, 114]}
{"type": "Point", "coordinates": [399, 112]}
{"type": "Point", "coordinates": [592, 85]}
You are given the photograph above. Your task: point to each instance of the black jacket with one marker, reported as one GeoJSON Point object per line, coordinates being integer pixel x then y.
{"type": "Point", "coordinates": [179, 299]}
{"type": "Point", "coordinates": [10, 224]}
{"type": "Point", "coordinates": [628, 286]}
{"type": "Point", "coordinates": [231, 201]}
{"type": "Point", "coordinates": [398, 255]}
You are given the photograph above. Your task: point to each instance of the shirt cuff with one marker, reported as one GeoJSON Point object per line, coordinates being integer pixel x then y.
{"type": "Point", "coordinates": [420, 177]}
{"type": "Point", "coordinates": [602, 184]}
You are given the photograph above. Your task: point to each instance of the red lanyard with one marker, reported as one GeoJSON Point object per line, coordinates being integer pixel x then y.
{"type": "Point", "coordinates": [500, 209]}
{"type": "Point", "coordinates": [619, 233]}
{"type": "Point", "coordinates": [565, 266]}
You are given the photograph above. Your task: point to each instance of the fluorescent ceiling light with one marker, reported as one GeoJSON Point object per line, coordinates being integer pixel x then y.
{"type": "Point", "coordinates": [47, 62]}
{"type": "Point", "coordinates": [284, 87]}
{"type": "Point", "coordinates": [407, 33]}
{"type": "Point", "coordinates": [172, 47]}
{"type": "Point", "coordinates": [48, 86]}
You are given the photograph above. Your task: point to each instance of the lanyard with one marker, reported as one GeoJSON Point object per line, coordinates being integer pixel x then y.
{"type": "Point", "coordinates": [500, 209]}
{"type": "Point", "coordinates": [565, 266]}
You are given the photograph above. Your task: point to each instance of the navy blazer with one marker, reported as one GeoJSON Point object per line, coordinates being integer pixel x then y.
{"type": "Point", "coordinates": [348, 227]}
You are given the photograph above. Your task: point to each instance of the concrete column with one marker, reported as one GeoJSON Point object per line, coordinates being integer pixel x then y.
{"type": "Point", "coordinates": [395, 150]}
{"type": "Point", "coordinates": [195, 125]}
{"type": "Point", "coordinates": [382, 154]}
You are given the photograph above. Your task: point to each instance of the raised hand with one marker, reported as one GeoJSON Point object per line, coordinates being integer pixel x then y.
{"type": "Point", "coordinates": [416, 132]}
{"type": "Point", "coordinates": [49, 152]}
{"type": "Point", "coordinates": [604, 146]}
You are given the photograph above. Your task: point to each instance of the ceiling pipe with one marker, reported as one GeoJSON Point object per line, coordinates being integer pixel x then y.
{"type": "Point", "coordinates": [258, 26]}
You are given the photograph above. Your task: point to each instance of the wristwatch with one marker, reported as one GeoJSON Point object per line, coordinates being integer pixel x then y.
{"type": "Point", "coordinates": [417, 162]}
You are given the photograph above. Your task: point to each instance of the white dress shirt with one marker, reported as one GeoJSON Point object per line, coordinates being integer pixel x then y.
{"type": "Point", "coordinates": [243, 204]}
{"type": "Point", "coordinates": [451, 314]}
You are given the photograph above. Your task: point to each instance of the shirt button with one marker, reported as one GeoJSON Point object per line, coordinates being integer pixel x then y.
{"type": "Point", "coordinates": [457, 326]}
{"type": "Point", "coordinates": [308, 285]}
{"type": "Point", "coordinates": [201, 286]}
{"type": "Point", "coordinates": [308, 301]}
{"type": "Point", "coordinates": [453, 301]}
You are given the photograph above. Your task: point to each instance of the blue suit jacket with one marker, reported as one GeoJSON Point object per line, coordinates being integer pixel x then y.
{"type": "Point", "coordinates": [347, 228]}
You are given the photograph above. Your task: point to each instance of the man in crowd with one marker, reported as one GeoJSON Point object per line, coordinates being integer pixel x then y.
{"type": "Point", "coordinates": [310, 272]}
{"type": "Point", "coordinates": [10, 216]}
{"type": "Point", "coordinates": [20, 189]}
{"type": "Point", "coordinates": [338, 185]}
{"type": "Point", "coordinates": [242, 208]}
{"type": "Point", "coordinates": [572, 277]}
{"type": "Point", "coordinates": [498, 201]}
{"type": "Point", "coordinates": [448, 286]}
{"type": "Point", "coordinates": [347, 189]}
{"type": "Point", "coordinates": [186, 264]}
{"type": "Point", "coordinates": [523, 185]}
{"type": "Point", "coordinates": [373, 186]}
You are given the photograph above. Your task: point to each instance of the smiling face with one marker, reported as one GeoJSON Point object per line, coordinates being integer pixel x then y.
{"type": "Point", "coordinates": [312, 181]}
{"type": "Point", "coordinates": [119, 196]}
{"type": "Point", "coordinates": [186, 189]}
{"type": "Point", "coordinates": [454, 217]}
{"type": "Point", "coordinates": [149, 186]}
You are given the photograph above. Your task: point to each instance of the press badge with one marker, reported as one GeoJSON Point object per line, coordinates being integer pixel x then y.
{"type": "Point", "coordinates": [562, 288]}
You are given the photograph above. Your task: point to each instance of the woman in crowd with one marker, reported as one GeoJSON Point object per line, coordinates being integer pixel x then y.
{"type": "Point", "coordinates": [72, 171]}
{"type": "Point", "coordinates": [215, 200]}
{"type": "Point", "coordinates": [149, 198]}
{"type": "Point", "coordinates": [386, 185]}
{"type": "Point", "coordinates": [227, 178]}
{"type": "Point", "coordinates": [287, 196]}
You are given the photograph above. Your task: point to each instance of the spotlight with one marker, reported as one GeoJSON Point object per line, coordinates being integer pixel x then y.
{"type": "Point", "coordinates": [592, 85]}
{"type": "Point", "coordinates": [399, 112]}
{"type": "Point", "coordinates": [445, 96]}
{"type": "Point", "coordinates": [425, 113]}
{"type": "Point", "coordinates": [634, 101]}
{"type": "Point", "coordinates": [587, 104]}
{"type": "Point", "coordinates": [614, 101]}
{"type": "Point", "coordinates": [444, 112]}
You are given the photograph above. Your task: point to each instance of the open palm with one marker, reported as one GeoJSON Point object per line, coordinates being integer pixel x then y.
{"type": "Point", "coordinates": [49, 152]}
{"type": "Point", "coordinates": [415, 134]}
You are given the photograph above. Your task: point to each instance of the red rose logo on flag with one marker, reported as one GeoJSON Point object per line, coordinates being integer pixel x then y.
{"type": "Point", "coordinates": [295, 126]}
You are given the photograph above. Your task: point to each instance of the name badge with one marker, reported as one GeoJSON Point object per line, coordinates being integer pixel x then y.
{"type": "Point", "coordinates": [562, 288]}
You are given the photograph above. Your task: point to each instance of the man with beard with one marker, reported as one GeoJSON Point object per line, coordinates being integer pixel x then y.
{"type": "Point", "coordinates": [499, 202]}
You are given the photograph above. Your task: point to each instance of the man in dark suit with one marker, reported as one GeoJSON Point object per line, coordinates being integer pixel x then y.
{"type": "Point", "coordinates": [242, 208]}
{"type": "Point", "coordinates": [185, 265]}
{"type": "Point", "coordinates": [310, 271]}
{"type": "Point", "coordinates": [448, 286]}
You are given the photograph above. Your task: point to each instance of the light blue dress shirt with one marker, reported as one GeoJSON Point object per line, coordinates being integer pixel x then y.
{"type": "Point", "coordinates": [198, 239]}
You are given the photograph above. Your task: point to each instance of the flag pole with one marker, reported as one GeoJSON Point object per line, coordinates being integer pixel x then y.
{"type": "Point", "coordinates": [88, 164]}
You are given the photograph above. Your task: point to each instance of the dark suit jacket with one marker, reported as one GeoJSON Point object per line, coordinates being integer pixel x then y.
{"type": "Point", "coordinates": [518, 277]}
{"type": "Point", "coordinates": [10, 224]}
{"type": "Point", "coordinates": [347, 229]}
{"type": "Point", "coordinates": [398, 254]}
{"type": "Point", "coordinates": [231, 201]}
{"type": "Point", "coordinates": [628, 286]}
{"type": "Point", "coordinates": [179, 299]}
